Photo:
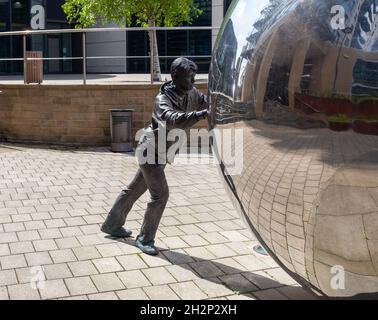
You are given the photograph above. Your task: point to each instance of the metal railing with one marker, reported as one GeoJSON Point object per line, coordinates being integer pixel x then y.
{"type": "Point", "coordinates": [84, 57]}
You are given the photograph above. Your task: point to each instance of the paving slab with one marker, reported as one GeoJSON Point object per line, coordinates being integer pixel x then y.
{"type": "Point", "coordinates": [51, 210]}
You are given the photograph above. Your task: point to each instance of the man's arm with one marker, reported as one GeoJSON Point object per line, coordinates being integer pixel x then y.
{"type": "Point", "coordinates": [176, 119]}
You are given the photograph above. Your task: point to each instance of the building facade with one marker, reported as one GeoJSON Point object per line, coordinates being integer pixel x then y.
{"type": "Point", "coordinates": [37, 14]}
{"type": "Point", "coordinates": [42, 14]}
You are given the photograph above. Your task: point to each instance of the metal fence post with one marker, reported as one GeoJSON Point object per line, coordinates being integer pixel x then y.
{"type": "Point", "coordinates": [84, 60]}
{"type": "Point", "coordinates": [24, 53]}
{"type": "Point", "coordinates": [84, 56]}
{"type": "Point", "coordinates": [152, 56]}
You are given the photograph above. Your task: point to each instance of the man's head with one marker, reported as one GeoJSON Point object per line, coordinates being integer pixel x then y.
{"type": "Point", "coordinates": [183, 72]}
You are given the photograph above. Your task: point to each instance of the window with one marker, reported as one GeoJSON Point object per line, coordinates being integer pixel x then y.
{"type": "Point", "coordinates": [4, 15]}
{"type": "Point", "coordinates": [365, 76]}
{"type": "Point", "coordinates": [20, 15]}
{"type": "Point", "coordinates": [5, 41]}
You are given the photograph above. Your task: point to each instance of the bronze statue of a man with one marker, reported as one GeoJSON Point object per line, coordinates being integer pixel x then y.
{"type": "Point", "coordinates": [179, 105]}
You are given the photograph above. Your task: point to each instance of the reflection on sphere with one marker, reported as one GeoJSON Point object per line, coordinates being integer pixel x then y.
{"type": "Point", "coordinates": [302, 83]}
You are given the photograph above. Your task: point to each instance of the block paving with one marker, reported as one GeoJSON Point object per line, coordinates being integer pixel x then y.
{"type": "Point", "coordinates": [53, 201]}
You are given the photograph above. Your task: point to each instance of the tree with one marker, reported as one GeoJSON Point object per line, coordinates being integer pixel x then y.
{"type": "Point", "coordinates": [266, 17]}
{"type": "Point", "coordinates": [151, 13]}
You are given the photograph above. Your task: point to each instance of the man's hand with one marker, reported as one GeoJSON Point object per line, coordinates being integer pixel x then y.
{"type": "Point", "coordinates": [203, 114]}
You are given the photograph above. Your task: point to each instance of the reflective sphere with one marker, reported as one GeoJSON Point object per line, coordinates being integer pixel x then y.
{"type": "Point", "coordinates": [300, 79]}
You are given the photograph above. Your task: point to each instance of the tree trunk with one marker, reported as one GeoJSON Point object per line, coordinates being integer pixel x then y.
{"type": "Point", "coordinates": [154, 46]}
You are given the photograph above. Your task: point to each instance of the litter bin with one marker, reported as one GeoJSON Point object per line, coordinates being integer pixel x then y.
{"type": "Point", "coordinates": [121, 122]}
{"type": "Point", "coordinates": [34, 68]}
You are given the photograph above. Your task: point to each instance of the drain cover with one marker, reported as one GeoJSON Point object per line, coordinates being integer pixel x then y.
{"type": "Point", "coordinates": [260, 250]}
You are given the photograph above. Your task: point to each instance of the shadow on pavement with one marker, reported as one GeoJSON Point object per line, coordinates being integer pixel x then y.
{"type": "Point", "coordinates": [240, 282]}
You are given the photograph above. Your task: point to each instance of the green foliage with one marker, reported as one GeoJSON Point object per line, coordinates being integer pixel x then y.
{"type": "Point", "coordinates": [339, 118]}
{"type": "Point", "coordinates": [357, 99]}
{"type": "Point", "coordinates": [85, 13]}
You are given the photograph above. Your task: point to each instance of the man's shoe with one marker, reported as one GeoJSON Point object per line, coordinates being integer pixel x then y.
{"type": "Point", "coordinates": [119, 233]}
{"type": "Point", "coordinates": [149, 249]}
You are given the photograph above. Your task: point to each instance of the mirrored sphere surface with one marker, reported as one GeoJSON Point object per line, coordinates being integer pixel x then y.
{"type": "Point", "coordinates": [299, 80]}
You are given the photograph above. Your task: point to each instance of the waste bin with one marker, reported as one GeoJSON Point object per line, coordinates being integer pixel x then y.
{"type": "Point", "coordinates": [34, 68]}
{"type": "Point", "coordinates": [121, 122]}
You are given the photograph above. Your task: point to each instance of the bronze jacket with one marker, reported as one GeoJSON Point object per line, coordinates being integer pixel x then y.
{"type": "Point", "coordinates": [171, 111]}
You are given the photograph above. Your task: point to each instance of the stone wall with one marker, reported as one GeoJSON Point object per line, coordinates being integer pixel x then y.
{"type": "Point", "coordinates": [71, 115]}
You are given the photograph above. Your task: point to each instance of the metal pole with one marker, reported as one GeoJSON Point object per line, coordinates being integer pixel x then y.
{"type": "Point", "coordinates": [24, 55]}
{"type": "Point", "coordinates": [126, 51]}
{"type": "Point", "coordinates": [94, 30]}
{"type": "Point", "coordinates": [152, 56]}
{"type": "Point", "coordinates": [337, 65]}
{"type": "Point", "coordinates": [84, 61]}
{"type": "Point", "coordinates": [10, 38]}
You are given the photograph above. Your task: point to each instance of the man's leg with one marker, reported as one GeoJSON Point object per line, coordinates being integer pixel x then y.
{"type": "Point", "coordinates": [125, 201]}
{"type": "Point", "coordinates": [156, 182]}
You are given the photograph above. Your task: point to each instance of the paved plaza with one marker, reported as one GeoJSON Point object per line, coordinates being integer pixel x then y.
{"type": "Point", "coordinates": [53, 201]}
